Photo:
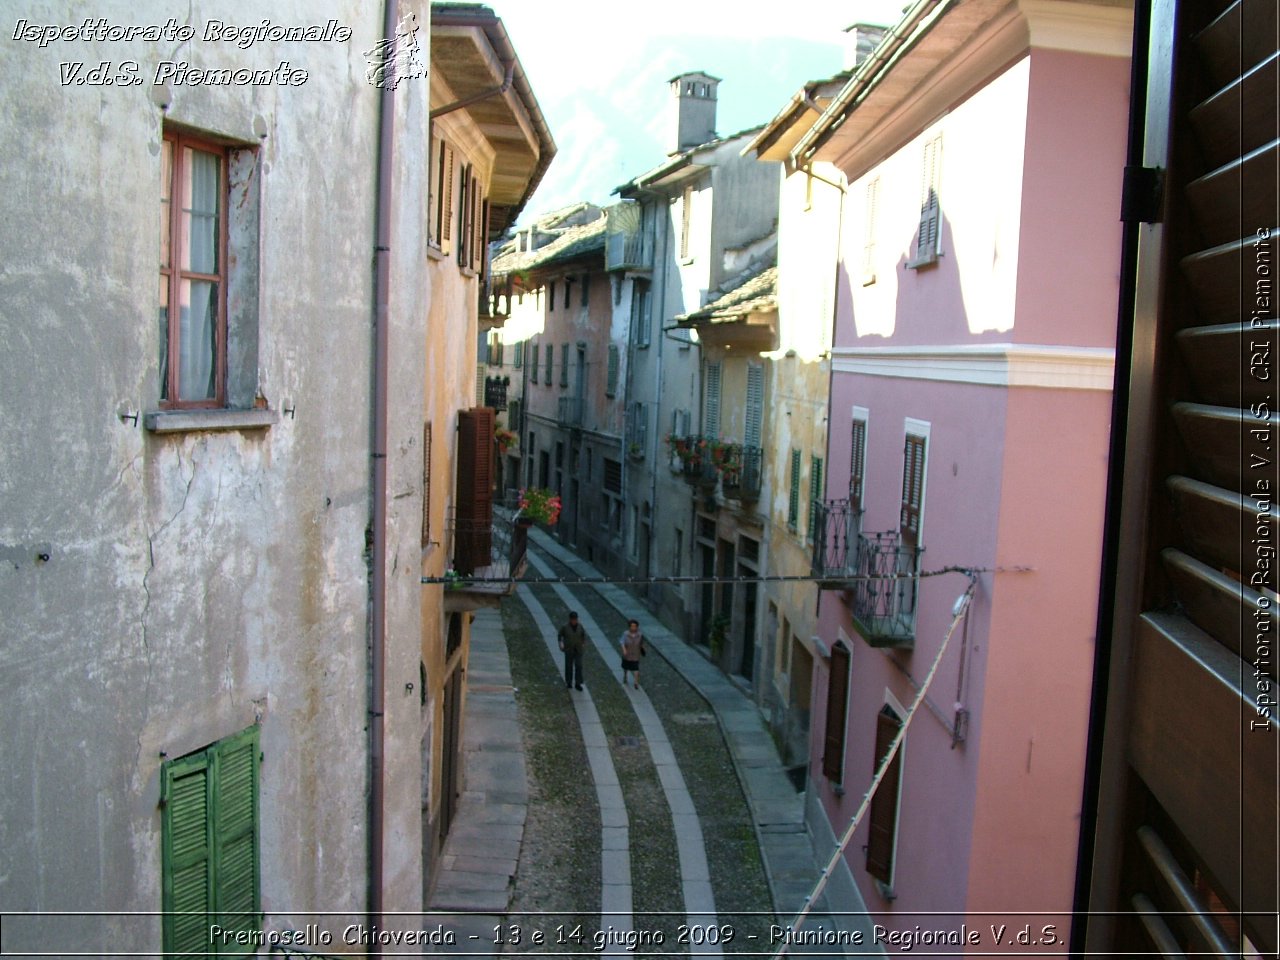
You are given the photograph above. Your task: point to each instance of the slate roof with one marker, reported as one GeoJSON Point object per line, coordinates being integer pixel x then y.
{"type": "Point", "coordinates": [757, 293]}
{"type": "Point", "coordinates": [573, 243]}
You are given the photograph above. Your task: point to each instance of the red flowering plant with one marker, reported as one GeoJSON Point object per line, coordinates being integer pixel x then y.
{"type": "Point", "coordinates": [505, 439]}
{"type": "Point", "coordinates": [540, 505]}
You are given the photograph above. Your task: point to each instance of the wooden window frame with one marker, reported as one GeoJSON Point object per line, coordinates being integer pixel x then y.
{"type": "Point", "coordinates": [793, 497]}
{"type": "Point", "coordinates": [172, 275]}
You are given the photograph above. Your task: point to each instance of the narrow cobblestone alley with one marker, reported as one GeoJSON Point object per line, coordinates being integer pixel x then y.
{"type": "Point", "coordinates": [614, 821]}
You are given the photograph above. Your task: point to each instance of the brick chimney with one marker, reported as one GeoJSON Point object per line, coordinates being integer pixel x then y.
{"type": "Point", "coordinates": [695, 109]}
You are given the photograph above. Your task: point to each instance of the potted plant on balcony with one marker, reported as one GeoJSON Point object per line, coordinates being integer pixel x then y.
{"type": "Point", "coordinates": [538, 505]}
{"type": "Point", "coordinates": [505, 439]}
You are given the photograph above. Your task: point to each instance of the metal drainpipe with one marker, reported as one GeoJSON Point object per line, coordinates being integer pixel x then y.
{"type": "Point", "coordinates": [482, 95]}
{"type": "Point", "coordinates": [377, 658]}
{"type": "Point", "coordinates": [653, 474]}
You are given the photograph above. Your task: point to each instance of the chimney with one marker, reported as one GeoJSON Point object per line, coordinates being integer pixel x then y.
{"type": "Point", "coordinates": [860, 40]}
{"type": "Point", "coordinates": [695, 109]}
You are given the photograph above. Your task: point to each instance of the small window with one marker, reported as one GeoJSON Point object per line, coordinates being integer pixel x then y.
{"type": "Point", "coordinates": [440, 200]}
{"type": "Point", "coordinates": [533, 361]}
{"type": "Point", "coordinates": [612, 476]}
{"type": "Point", "coordinates": [193, 272]}
{"type": "Point", "coordinates": [586, 287]}
{"type": "Point", "coordinates": [640, 313]}
{"type": "Point", "coordinates": [551, 297]}
{"type": "Point", "coordinates": [564, 364]}
{"type": "Point", "coordinates": [518, 359]}
{"type": "Point", "coordinates": [551, 357]}
{"type": "Point", "coordinates": [210, 860]}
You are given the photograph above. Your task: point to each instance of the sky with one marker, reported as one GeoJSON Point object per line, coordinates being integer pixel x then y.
{"type": "Point", "coordinates": [599, 71]}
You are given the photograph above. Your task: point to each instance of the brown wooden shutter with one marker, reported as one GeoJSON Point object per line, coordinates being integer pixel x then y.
{"type": "Point", "coordinates": [474, 494]}
{"type": "Point", "coordinates": [837, 704]}
{"type": "Point", "coordinates": [882, 818]}
{"type": "Point", "coordinates": [857, 463]}
{"type": "Point", "coordinates": [1187, 831]}
{"type": "Point", "coordinates": [930, 207]}
{"type": "Point", "coordinates": [912, 489]}
{"type": "Point", "coordinates": [426, 484]}
{"type": "Point", "coordinates": [446, 216]}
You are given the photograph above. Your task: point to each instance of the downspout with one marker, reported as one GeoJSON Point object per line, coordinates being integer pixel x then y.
{"type": "Point", "coordinates": [838, 259]}
{"type": "Point", "coordinates": [377, 657]}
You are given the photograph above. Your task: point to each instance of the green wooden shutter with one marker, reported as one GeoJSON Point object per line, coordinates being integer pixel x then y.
{"type": "Point", "coordinates": [187, 861]}
{"type": "Point", "coordinates": [793, 501]}
{"type": "Point", "coordinates": [815, 493]}
{"type": "Point", "coordinates": [755, 405]}
{"type": "Point", "coordinates": [235, 835]}
{"type": "Point", "coordinates": [209, 839]}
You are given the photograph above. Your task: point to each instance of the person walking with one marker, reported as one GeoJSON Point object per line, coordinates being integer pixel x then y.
{"type": "Point", "coordinates": [573, 641]}
{"type": "Point", "coordinates": [633, 648]}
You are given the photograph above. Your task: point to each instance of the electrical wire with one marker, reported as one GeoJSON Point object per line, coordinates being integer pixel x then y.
{"type": "Point", "coordinates": [961, 607]}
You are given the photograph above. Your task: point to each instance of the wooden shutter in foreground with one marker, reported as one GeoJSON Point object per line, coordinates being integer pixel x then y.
{"type": "Point", "coordinates": [837, 710]}
{"type": "Point", "coordinates": [1184, 860]}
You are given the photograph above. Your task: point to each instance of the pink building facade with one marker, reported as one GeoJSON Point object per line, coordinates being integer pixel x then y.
{"type": "Point", "coordinates": [972, 366]}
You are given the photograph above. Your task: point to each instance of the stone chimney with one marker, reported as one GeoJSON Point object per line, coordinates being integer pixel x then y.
{"type": "Point", "coordinates": [860, 40]}
{"type": "Point", "coordinates": [695, 109]}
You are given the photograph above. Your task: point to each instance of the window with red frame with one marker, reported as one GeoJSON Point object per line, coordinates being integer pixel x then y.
{"type": "Point", "coordinates": [192, 312]}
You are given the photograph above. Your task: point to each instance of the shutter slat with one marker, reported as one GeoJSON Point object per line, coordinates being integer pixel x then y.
{"type": "Point", "coordinates": [1211, 520]}
{"type": "Point", "coordinates": [1241, 116]}
{"type": "Point", "coordinates": [1239, 39]}
{"type": "Point", "coordinates": [1216, 356]}
{"type": "Point", "coordinates": [1237, 197]}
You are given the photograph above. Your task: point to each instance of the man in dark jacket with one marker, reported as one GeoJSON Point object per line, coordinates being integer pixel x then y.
{"type": "Point", "coordinates": [573, 641]}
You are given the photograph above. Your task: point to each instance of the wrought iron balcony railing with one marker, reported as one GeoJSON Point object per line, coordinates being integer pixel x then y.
{"type": "Point", "coordinates": [495, 392]}
{"type": "Point", "coordinates": [879, 572]}
{"type": "Point", "coordinates": [569, 412]}
{"type": "Point", "coordinates": [487, 555]}
{"type": "Point", "coordinates": [741, 472]}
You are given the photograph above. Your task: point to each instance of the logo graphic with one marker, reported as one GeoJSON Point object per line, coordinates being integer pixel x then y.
{"type": "Point", "coordinates": [397, 59]}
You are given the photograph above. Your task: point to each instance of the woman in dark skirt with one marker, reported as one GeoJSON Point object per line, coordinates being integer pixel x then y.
{"type": "Point", "coordinates": [633, 649]}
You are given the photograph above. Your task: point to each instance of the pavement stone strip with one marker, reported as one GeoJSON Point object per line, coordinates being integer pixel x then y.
{"type": "Point", "coordinates": [613, 821]}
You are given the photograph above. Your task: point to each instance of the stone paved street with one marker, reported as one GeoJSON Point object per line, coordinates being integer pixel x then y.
{"type": "Point", "coordinates": [539, 852]}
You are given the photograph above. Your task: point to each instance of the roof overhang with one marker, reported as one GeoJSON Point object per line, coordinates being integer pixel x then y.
{"type": "Point", "coordinates": [473, 56]}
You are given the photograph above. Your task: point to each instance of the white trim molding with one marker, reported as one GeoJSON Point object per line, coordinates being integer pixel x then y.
{"type": "Point", "coordinates": [1079, 27]}
{"type": "Point", "coordinates": [985, 364]}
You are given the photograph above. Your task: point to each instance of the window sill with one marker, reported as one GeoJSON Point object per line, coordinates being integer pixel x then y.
{"type": "Point", "coordinates": [435, 253]}
{"type": "Point", "coordinates": [924, 263]}
{"type": "Point", "coordinates": [191, 421]}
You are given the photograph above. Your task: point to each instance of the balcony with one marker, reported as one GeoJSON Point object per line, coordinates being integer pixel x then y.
{"type": "Point", "coordinates": [487, 557]}
{"type": "Point", "coordinates": [740, 472]}
{"type": "Point", "coordinates": [569, 412]}
{"type": "Point", "coordinates": [626, 246]}
{"type": "Point", "coordinates": [879, 572]}
{"type": "Point", "coordinates": [495, 392]}
{"type": "Point", "coordinates": [693, 455]}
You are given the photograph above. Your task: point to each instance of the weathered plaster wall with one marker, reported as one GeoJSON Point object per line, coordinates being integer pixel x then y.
{"type": "Point", "coordinates": [196, 582]}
